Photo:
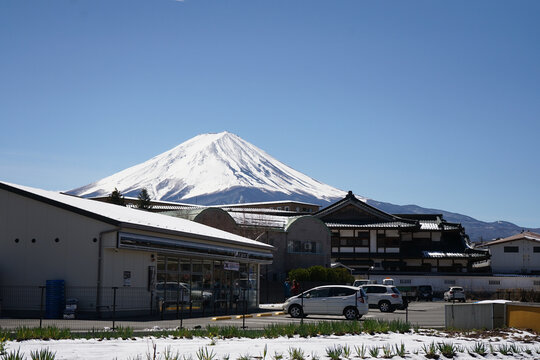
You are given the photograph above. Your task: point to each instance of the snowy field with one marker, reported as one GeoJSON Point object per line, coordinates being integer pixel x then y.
{"type": "Point", "coordinates": [524, 345]}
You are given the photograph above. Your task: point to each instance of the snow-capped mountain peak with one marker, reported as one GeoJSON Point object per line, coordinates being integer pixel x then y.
{"type": "Point", "coordinates": [211, 169]}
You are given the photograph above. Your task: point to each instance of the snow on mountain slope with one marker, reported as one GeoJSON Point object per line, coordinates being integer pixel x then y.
{"type": "Point", "coordinates": [211, 169]}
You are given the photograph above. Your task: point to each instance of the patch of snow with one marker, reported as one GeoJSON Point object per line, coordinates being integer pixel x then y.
{"type": "Point", "coordinates": [209, 164]}
{"type": "Point", "coordinates": [236, 348]}
{"type": "Point", "coordinates": [128, 216]}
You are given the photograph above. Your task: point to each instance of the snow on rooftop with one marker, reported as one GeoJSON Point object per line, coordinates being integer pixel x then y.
{"type": "Point", "coordinates": [138, 217]}
{"type": "Point", "coordinates": [254, 219]}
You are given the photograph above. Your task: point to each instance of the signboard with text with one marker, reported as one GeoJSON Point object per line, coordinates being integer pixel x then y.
{"type": "Point", "coordinates": [230, 265]}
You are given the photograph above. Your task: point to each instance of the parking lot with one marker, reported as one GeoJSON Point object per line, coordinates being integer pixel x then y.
{"type": "Point", "coordinates": [423, 314]}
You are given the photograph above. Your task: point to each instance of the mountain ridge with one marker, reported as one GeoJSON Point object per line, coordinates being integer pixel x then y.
{"type": "Point", "coordinates": [222, 168]}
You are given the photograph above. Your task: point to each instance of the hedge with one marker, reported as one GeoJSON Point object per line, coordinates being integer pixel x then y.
{"type": "Point", "coordinates": [322, 274]}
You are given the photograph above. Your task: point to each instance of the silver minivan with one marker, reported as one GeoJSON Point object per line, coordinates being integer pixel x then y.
{"type": "Point", "coordinates": [348, 301]}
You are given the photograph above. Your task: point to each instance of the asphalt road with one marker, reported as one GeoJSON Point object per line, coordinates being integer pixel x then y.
{"type": "Point", "coordinates": [423, 314]}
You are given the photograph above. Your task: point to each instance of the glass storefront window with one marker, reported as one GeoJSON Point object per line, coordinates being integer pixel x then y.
{"type": "Point", "coordinates": [185, 265]}
{"type": "Point", "coordinates": [161, 263]}
{"type": "Point", "coordinates": [212, 284]}
{"type": "Point", "coordinates": [196, 266]}
{"type": "Point", "coordinates": [172, 264]}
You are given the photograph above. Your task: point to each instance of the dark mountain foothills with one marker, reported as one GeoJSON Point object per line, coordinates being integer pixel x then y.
{"type": "Point", "coordinates": [478, 231]}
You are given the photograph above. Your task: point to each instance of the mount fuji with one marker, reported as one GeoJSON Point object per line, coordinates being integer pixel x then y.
{"type": "Point", "coordinates": [214, 169]}
{"type": "Point", "coordinates": [222, 168]}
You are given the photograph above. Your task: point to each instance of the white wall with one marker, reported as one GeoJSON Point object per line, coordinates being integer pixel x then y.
{"type": "Point", "coordinates": [25, 263]}
{"type": "Point", "coordinates": [469, 283]}
{"type": "Point", "coordinates": [502, 262]}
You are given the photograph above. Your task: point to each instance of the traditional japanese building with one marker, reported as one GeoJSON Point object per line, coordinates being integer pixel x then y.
{"type": "Point", "coordinates": [367, 239]}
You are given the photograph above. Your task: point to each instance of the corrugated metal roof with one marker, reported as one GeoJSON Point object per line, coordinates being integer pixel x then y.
{"type": "Point", "coordinates": [254, 219]}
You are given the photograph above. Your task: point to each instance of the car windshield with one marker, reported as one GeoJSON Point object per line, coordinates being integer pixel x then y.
{"type": "Point", "coordinates": [424, 288]}
{"type": "Point", "coordinates": [395, 290]}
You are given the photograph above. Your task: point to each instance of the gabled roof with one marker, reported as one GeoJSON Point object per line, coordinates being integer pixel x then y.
{"type": "Point", "coordinates": [525, 235]}
{"type": "Point", "coordinates": [378, 215]}
{"type": "Point", "coordinates": [130, 218]}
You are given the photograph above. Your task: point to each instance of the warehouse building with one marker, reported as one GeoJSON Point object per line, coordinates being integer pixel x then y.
{"type": "Point", "coordinates": [101, 252]}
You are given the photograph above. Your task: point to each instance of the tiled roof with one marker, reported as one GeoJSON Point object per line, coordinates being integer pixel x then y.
{"type": "Point", "coordinates": [351, 199]}
{"type": "Point", "coordinates": [440, 254]}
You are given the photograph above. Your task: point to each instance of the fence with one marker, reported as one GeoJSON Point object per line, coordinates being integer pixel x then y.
{"type": "Point", "coordinates": [28, 306]}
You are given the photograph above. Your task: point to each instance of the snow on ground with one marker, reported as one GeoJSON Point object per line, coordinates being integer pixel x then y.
{"type": "Point", "coordinates": [313, 348]}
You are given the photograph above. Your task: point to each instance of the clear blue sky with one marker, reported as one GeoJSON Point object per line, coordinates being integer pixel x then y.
{"type": "Point", "coordinates": [411, 102]}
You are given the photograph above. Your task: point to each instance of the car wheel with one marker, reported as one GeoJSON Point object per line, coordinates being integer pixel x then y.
{"type": "Point", "coordinates": [350, 313]}
{"type": "Point", "coordinates": [296, 311]}
{"type": "Point", "coordinates": [384, 306]}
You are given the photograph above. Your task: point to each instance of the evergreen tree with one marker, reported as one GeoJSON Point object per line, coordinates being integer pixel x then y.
{"type": "Point", "coordinates": [144, 200]}
{"type": "Point", "coordinates": [117, 198]}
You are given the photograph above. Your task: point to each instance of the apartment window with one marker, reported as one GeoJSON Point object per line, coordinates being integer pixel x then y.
{"type": "Point", "coordinates": [536, 249]}
{"type": "Point", "coordinates": [511, 249]}
{"type": "Point", "coordinates": [536, 282]}
{"type": "Point", "coordinates": [404, 281]}
{"type": "Point", "coordinates": [494, 282]}
{"type": "Point", "coordinates": [387, 239]}
{"type": "Point", "coordinates": [303, 247]}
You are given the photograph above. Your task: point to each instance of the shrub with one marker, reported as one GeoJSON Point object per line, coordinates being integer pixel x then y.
{"type": "Point", "coordinates": [319, 273]}
{"type": "Point", "coordinates": [300, 274]}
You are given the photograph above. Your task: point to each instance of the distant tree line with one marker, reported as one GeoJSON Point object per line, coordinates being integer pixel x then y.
{"type": "Point", "coordinates": [143, 199]}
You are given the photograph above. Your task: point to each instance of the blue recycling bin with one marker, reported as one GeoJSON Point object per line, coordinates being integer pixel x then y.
{"type": "Point", "coordinates": [54, 299]}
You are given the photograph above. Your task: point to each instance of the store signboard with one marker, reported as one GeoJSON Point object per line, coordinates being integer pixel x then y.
{"type": "Point", "coordinates": [231, 265]}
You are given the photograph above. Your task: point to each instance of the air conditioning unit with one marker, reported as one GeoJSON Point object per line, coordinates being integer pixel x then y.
{"type": "Point", "coordinates": [307, 246]}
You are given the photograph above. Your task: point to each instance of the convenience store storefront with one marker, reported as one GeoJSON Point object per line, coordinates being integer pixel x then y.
{"type": "Point", "coordinates": [201, 277]}
{"type": "Point", "coordinates": [210, 286]}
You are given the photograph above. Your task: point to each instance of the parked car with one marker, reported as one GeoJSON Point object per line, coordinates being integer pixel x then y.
{"type": "Point", "coordinates": [455, 293]}
{"type": "Point", "coordinates": [348, 301]}
{"type": "Point", "coordinates": [385, 297]}
{"type": "Point", "coordinates": [424, 292]}
{"type": "Point", "coordinates": [171, 292]}
{"type": "Point", "coordinates": [358, 283]}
